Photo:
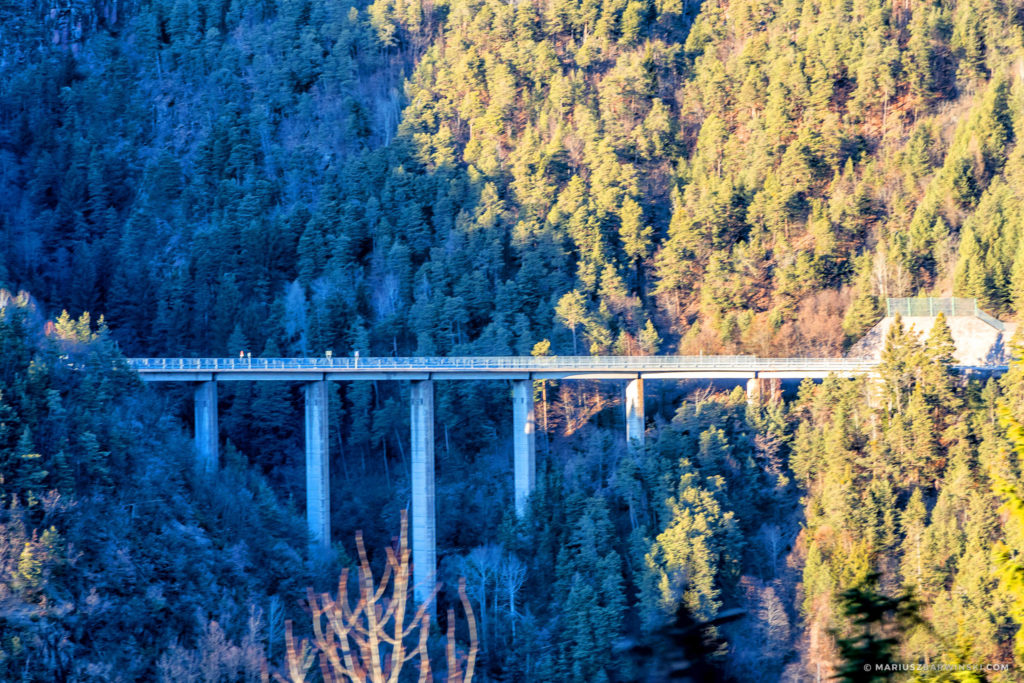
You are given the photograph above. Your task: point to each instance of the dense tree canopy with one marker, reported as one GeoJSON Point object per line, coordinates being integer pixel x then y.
{"type": "Point", "coordinates": [209, 177]}
{"type": "Point", "coordinates": [739, 176]}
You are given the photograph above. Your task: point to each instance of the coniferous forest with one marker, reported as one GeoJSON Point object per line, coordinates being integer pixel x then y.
{"type": "Point", "coordinates": [204, 178]}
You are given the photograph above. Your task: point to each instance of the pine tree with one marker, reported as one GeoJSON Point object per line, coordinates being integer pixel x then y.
{"type": "Point", "coordinates": [649, 339]}
{"type": "Point", "coordinates": [1017, 281]}
{"type": "Point", "coordinates": [922, 430]}
{"type": "Point", "coordinates": [940, 345]}
{"type": "Point", "coordinates": [899, 363]}
{"type": "Point", "coordinates": [28, 479]}
{"type": "Point", "coordinates": [589, 572]}
{"type": "Point", "coordinates": [878, 622]}
{"type": "Point", "coordinates": [691, 558]}
{"type": "Point", "coordinates": [918, 59]}
{"type": "Point", "coordinates": [271, 401]}
{"type": "Point", "coordinates": [913, 523]}
{"type": "Point", "coordinates": [938, 378]}
{"type": "Point", "coordinates": [635, 236]}
{"type": "Point", "coordinates": [237, 343]}
{"type": "Point", "coordinates": [1007, 558]}
{"type": "Point", "coordinates": [572, 312]}
{"type": "Point", "coordinates": [94, 463]}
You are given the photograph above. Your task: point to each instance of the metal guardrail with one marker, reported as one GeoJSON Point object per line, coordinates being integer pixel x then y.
{"type": "Point", "coordinates": [551, 363]}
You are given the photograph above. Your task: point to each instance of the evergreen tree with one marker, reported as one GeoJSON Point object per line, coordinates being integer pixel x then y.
{"type": "Point", "coordinates": [27, 478]}
{"type": "Point", "coordinates": [649, 339]}
{"type": "Point", "coordinates": [938, 378]}
{"type": "Point", "coordinates": [272, 402]}
{"type": "Point", "coordinates": [878, 622]}
{"type": "Point", "coordinates": [899, 364]}
{"type": "Point", "coordinates": [913, 522]}
{"type": "Point", "coordinates": [572, 312]}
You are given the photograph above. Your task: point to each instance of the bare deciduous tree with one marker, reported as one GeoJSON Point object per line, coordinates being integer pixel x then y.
{"type": "Point", "coordinates": [216, 657]}
{"type": "Point", "coordinates": [481, 566]}
{"type": "Point", "coordinates": [456, 673]}
{"type": "Point", "coordinates": [369, 642]}
{"type": "Point", "coordinates": [577, 402]}
{"type": "Point", "coordinates": [512, 576]}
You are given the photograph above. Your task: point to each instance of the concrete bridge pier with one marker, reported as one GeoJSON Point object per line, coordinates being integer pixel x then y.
{"type": "Point", "coordinates": [635, 412]}
{"type": "Point", "coordinates": [764, 389]}
{"type": "Point", "coordinates": [524, 442]}
{"type": "Point", "coordinates": [424, 532]}
{"type": "Point", "coordinates": [207, 436]}
{"type": "Point", "coordinates": [318, 495]}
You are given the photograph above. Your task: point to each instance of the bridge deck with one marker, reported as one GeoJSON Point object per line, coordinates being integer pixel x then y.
{"type": "Point", "coordinates": [496, 367]}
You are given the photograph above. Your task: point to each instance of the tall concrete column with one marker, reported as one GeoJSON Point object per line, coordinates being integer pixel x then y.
{"type": "Point", "coordinates": [753, 390]}
{"type": "Point", "coordinates": [635, 412]}
{"type": "Point", "coordinates": [764, 390]}
{"type": "Point", "coordinates": [524, 441]}
{"type": "Point", "coordinates": [424, 532]}
{"type": "Point", "coordinates": [318, 495]}
{"type": "Point", "coordinates": [207, 437]}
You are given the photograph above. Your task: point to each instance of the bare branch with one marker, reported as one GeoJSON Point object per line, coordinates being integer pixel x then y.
{"type": "Point", "coordinates": [367, 642]}
{"type": "Point", "coordinates": [471, 618]}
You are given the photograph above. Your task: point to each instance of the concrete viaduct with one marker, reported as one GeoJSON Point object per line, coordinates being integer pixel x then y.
{"type": "Point", "coordinates": [204, 373]}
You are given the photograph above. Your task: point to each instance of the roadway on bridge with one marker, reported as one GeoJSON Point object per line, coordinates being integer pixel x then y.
{"type": "Point", "coordinates": [496, 367]}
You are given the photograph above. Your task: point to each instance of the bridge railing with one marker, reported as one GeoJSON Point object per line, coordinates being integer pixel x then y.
{"type": "Point", "coordinates": [592, 363]}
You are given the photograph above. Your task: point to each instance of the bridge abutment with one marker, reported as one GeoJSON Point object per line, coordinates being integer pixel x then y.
{"type": "Point", "coordinates": [635, 412]}
{"type": "Point", "coordinates": [207, 434]}
{"type": "Point", "coordinates": [424, 532]}
{"type": "Point", "coordinates": [318, 495]}
{"type": "Point", "coordinates": [524, 440]}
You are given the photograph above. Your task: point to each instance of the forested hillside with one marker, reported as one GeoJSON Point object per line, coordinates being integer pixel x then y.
{"type": "Point", "coordinates": [743, 175]}
{"type": "Point", "coordinates": [291, 177]}
{"type": "Point", "coordinates": [287, 177]}
{"type": "Point", "coordinates": [118, 563]}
